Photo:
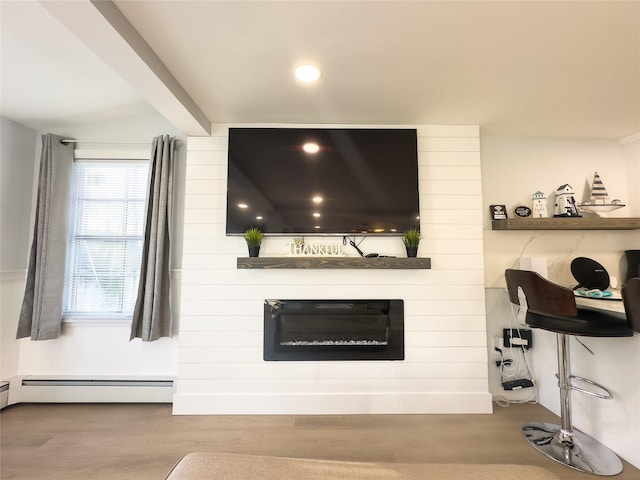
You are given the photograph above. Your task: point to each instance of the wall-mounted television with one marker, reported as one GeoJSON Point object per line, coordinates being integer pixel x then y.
{"type": "Point", "coordinates": [322, 181]}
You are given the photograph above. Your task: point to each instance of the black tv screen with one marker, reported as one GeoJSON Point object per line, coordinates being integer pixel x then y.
{"type": "Point", "coordinates": [322, 181]}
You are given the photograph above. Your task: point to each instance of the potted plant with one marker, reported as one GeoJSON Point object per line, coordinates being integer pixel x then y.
{"type": "Point", "coordinates": [411, 239]}
{"type": "Point", "coordinates": [253, 237]}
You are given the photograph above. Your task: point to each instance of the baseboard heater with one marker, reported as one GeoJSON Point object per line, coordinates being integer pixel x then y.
{"type": "Point", "coordinates": [60, 382]}
{"type": "Point", "coordinates": [96, 390]}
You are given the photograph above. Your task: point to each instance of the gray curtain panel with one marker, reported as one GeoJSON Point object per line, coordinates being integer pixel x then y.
{"type": "Point", "coordinates": [152, 317]}
{"type": "Point", "coordinates": [41, 313]}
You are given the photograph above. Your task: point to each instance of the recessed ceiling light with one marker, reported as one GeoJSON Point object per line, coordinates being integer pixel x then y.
{"type": "Point", "coordinates": [243, 205]}
{"type": "Point", "coordinates": [307, 73]}
{"type": "Point", "coordinates": [258, 217]}
{"type": "Point", "coordinates": [311, 147]}
{"type": "Point", "coordinates": [316, 214]}
{"type": "Point", "coordinates": [317, 199]}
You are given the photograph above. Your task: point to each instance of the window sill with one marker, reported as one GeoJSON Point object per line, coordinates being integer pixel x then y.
{"type": "Point", "coordinates": [97, 320]}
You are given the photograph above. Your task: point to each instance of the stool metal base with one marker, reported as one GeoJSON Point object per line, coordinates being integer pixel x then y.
{"type": "Point", "coordinates": [578, 451]}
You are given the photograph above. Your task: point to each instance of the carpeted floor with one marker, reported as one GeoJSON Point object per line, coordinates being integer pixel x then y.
{"type": "Point", "coordinates": [225, 466]}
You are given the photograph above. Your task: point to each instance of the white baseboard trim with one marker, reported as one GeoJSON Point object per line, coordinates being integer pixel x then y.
{"type": "Point", "coordinates": [332, 404]}
{"type": "Point", "coordinates": [74, 389]}
{"type": "Point", "coordinates": [4, 394]}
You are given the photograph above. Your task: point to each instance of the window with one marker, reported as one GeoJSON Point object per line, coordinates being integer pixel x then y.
{"type": "Point", "coordinates": [105, 244]}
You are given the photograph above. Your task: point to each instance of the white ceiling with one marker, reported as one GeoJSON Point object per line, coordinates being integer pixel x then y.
{"type": "Point", "coordinates": [49, 79]}
{"type": "Point", "coordinates": [569, 69]}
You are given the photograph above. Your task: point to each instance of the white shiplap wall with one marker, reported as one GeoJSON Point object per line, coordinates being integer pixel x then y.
{"type": "Point", "coordinates": [221, 370]}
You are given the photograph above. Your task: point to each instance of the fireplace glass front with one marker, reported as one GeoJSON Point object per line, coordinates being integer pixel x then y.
{"type": "Point", "coordinates": [333, 330]}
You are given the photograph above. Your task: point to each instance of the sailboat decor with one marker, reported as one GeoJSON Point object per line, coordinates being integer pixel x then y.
{"type": "Point", "coordinates": [599, 201]}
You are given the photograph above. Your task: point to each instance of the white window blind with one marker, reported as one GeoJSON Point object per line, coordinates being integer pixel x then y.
{"type": "Point", "coordinates": [105, 246]}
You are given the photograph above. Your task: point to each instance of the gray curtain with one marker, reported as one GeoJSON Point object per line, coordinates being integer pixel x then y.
{"type": "Point", "coordinates": [152, 317]}
{"type": "Point", "coordinates": [41, 313]}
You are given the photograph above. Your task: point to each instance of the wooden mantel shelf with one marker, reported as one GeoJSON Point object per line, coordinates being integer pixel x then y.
{"type": "Point", "coordinates": [302, 262]}
{"type": "Point", "coordinates": [566, 223]}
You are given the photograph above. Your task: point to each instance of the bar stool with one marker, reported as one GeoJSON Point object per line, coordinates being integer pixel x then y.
{"type": "Point", "coordinates": [553, 307]}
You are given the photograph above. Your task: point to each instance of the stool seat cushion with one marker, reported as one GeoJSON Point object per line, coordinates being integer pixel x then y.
{"type": "Point", "coordinates": [588, 323]}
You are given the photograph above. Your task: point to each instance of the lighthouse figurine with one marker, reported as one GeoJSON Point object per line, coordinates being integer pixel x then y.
{"type": "Point", "coordinates": [565, 202]}
{"type": "Point", "coordinates": [539, 206]}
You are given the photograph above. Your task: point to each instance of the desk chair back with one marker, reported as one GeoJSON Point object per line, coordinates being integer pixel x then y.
{"type": "Point", "coordinates": [543, 296]}
{"type": "Point", "coordinates": [631, 299]}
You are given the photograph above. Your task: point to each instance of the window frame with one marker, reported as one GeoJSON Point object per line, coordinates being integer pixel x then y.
{"type": "Point", "coordinates": [113, 155]}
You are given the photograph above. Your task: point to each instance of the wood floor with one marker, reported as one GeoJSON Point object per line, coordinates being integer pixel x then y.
{"type": "Point", "coordinates": [134, 441]}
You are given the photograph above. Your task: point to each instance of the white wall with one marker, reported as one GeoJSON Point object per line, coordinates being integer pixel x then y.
{"type": "Point", "coordinates": [513, 169]}
{"type": "Point", "coordinates": [220, 359]}
{"type": "Point", "coordinates": [84, 349]}
{"type": "Point", "coordinates": [632, 151]}
{"type": "Point", "coordinates": [17, 156]}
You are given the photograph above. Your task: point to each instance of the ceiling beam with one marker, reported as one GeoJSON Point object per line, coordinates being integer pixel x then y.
{"type": "Point", "coordinates": [105, 30]}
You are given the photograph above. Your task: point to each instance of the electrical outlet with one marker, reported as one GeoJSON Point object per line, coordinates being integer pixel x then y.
{"type": "Point", "coordinates": [517, 338]}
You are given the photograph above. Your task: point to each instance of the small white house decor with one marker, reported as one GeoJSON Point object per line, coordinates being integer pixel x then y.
{"type": "Point", "coordinates": [565, 202]}
{"type": "Point", "coordinates": [332, 250]}
{"type": "Point", "coordinates": [539, 205]}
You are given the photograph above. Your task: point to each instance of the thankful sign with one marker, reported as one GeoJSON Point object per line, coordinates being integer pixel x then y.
{"type": "Point", "coordinates": [296, 248]}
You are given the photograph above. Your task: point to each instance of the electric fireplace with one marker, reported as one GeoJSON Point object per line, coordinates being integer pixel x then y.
{"type": "Point", "coordinates": [311, 330]}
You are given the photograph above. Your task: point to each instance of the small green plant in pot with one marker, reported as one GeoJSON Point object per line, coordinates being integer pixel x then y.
{"type": "Point", "coordinates": [253, 237]}
{"type": "Point", "coordinates": [411, 239]}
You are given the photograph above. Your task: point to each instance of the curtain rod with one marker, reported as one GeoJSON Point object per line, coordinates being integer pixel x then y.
{"type": "Point", "coordinates": [66, 141]}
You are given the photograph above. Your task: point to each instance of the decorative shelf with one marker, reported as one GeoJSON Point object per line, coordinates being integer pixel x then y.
{"type": "Point", "coordinates": [566, 223]}
{"type": "Point", "coordinates": [381, 263]}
